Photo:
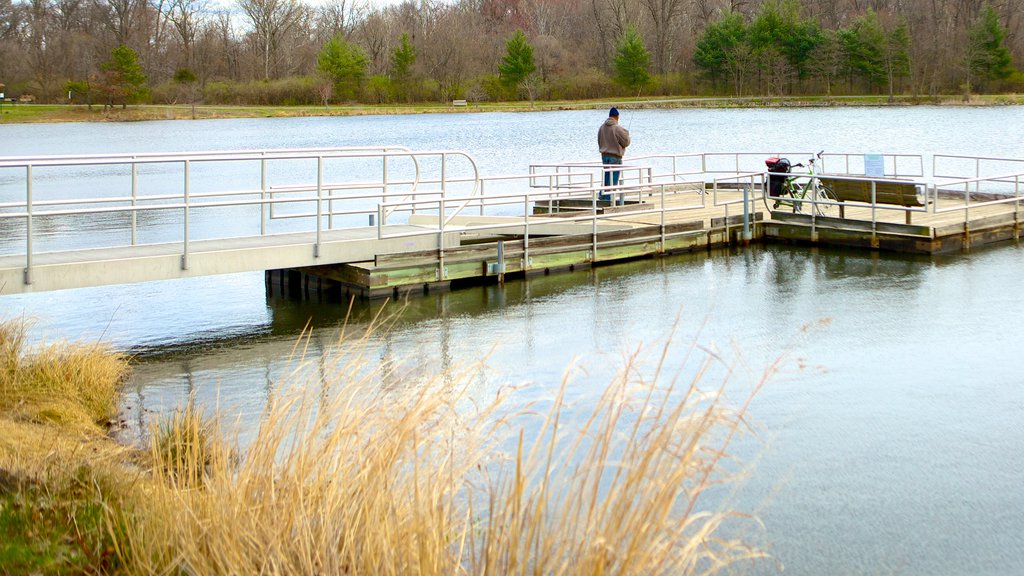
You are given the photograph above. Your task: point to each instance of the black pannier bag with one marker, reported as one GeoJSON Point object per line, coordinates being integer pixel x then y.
{"type": "Point", "coordinates": [775, 182]}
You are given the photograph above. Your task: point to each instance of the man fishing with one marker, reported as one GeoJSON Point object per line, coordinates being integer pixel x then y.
{"type": "Point", "coordinates": [612, 139]}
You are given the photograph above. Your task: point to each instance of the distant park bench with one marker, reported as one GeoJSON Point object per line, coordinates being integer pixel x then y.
{"type": "Point", "coordinates": [909, 194]}
{"type": "Point", "coordinates": [458, 102]}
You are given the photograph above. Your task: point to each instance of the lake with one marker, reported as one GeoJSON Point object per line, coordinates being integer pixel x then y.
{"type": "Point", "coordinates": [890, 441]}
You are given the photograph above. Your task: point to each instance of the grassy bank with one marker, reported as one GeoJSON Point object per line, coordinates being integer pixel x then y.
{"type": "Point", "coordinates": [59, 472]}
{"type": "Point", "coordinates": [15, 113]}
{"type": "Point", "coordinates": [359, 468]}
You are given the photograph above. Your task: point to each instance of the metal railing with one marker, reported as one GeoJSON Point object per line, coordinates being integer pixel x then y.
{"type": "Point", "coordinates": [747, 184]}
{"type": "Point", "coordinates": [818, 202]}
{"type": "Point", "coordinates": [706, 178]}
{"type": "Point", "coordinates": [1003, 189]}
{"type": "Point", "coordinates": [973, 166]}
{"type": "Point", "coordinates": [185, 199]}
{"type": "Point", "coordinates": [894, 165]}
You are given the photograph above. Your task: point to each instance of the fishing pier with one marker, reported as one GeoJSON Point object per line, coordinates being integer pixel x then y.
{"type": "Point", "coordinates": [382, 221]}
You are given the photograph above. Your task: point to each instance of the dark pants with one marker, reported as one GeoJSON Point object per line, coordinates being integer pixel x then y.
{"type": "Point", "coordinates": [611, 177]}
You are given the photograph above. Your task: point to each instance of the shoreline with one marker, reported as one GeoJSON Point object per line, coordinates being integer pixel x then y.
{"type": "Point", "coordinates": [55, 113]}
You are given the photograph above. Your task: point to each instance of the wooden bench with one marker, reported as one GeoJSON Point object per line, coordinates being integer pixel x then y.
{"type": "Point", "coordinates": [907, 194]}
{"type": "Point", "coordinates": [458, 102]}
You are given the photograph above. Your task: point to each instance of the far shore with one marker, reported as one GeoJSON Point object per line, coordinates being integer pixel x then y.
{"type": "Point", "coordinates": [26, 113]}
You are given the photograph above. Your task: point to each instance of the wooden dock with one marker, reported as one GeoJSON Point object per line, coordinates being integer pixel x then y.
{"type": "Point", "coordinates": [429, 219]}
{"type": "Point", "coordinates": [643, 230]}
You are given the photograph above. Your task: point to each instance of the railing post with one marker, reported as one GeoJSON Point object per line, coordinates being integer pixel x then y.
{"type": "Point", "coordinates": [501, 262]}
{"type": "Point", "coordinates": [28, 224]}
{"type": "Point", "coordinates": [967, 202]}
{"type": "Point", "coordinates": [746, 211]}
{"type": "Point", "coordinates": [384, 190]}
{"type": "Point", "coordinates": [319, 204]}
{"type": "Point", "coordinates": [482, 194]}
{"type": "Point", "coordinates": [440, 231]}
{"type": "Point", "coordinates": [663, 217]}
{"type": "Point", "coordinates": [134, 197]}
{"type": "Point", "coordinates": [593, 228]}
{"type": "Point", "coordinates": [874, 221]}
{"type": "Point", "coordinates": [263, 197]}
{"type": "Point", "coordinates": [330, 209]}
{"type": "Point", "coordinates": [444, 174]}
{"type": "Point", "coordinates": [526, 228]}
{"type": "Point", "coordinates": [184, 254]}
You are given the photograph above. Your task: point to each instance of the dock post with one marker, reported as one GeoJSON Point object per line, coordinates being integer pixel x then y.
{"type": "Point", "coordinates": [501, 262]}
{"type": "Point", "coordinates": [746, 214]}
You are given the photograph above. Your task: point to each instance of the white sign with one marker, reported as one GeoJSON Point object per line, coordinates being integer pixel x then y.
{"type": "Point", "coordinates": [1, 94]}
{"type": "Point", "coordinates": [874, 165]}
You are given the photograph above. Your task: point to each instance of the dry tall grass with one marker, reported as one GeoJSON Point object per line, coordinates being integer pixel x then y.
{"type": "Point", "coordinates": [369, 471]}
{"type": "Point", "coordinates": [60, 475]}
{"type": "Point", "coordinates": [75, 385]}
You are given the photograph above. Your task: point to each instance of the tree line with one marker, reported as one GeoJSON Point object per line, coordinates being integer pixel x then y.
{"type": "Point", "coordinates": [288, 52]}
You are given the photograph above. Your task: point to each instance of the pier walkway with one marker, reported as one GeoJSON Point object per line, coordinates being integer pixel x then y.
{"type": "Point", "coordinates": [376, 221]}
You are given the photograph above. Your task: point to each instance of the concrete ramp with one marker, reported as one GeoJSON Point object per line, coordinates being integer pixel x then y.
{"type": "Point", "coordinates": [167, 261]}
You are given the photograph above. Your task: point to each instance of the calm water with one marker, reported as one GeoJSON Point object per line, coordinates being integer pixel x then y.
{"type": "Point", "coordinates": [891, 440]}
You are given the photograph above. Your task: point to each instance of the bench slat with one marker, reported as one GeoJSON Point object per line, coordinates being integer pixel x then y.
{"type": "Point", "coordinates": [908, 194]}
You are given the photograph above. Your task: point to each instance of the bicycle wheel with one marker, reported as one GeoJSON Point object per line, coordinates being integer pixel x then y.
{"type": "Point", "coordinates": [825, 196]}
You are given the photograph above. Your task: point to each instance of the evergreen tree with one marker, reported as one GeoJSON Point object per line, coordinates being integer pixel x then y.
{"type": "Point", "coordinates": [720, 50]}
{"type": "Point", "coordinates": [767, 33]}
{"type": "Point", "coordinates": [897, 54]}
{"type": "Point", "coordinates": [864, 47]}
{"type": "Point", "coordinates": [632, 60]}
{"type": "Point", "coordinates": [828, 59]}
{"type": "Point", "coordinates": [798, 45]}
{"type": "Point", "coordinates": [124, 82]}
{"type": "Point", "coordinates": [517, 64]}
{"type": "Point", "coordinates": [987, 56]}
{"type": "Point", "coordinates": [344, 63]}
{"type": "Point", "coordinates": [403, 57]}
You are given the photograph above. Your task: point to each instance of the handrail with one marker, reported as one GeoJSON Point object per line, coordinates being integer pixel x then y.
{"type": "Point", "coordinates": [213, 154]}
{"type": "Point", "coordinates": [977, 163]}
{"type": "Point", "coordinates": [190, 197]}
{"type": "Point", "coordinates": [432, 191]}
{"type": "Point", "coordinates": [444, 157]}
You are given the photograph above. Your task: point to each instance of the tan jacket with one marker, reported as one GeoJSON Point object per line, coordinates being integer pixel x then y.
{"type": "Point", "coordinates": [612, 138]}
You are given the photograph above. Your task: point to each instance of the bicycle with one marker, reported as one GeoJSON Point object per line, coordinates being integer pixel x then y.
{"type": "Point", "coordinates": [802, 187]}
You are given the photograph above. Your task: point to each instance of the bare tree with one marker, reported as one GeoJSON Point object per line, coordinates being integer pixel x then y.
{"type": "Point", "coordinates": [186, 16]}
{"type": "Point", "coordinates": [120, 18]}
{"type": "Point", "coordinates": [271, 21]}
{"type": "Point", "coordinates": [337, 17]}
{"type": "Point", "coordinates": [664, 15]}
{"type": "Point", "coordinates": [377, 35]}
{"type": "Point", "coordinates": [611, 18]}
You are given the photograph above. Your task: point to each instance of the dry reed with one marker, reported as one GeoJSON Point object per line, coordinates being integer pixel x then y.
{"type": "Point", "coordinates": [368, 470]}
{"type": "Point", "coordinates": [61, 477]}
{"type": "Point", "coordinates": [72, 384]}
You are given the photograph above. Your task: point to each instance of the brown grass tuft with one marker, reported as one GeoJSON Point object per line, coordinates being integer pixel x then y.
{"type": "Point", "coordinates": [360, 470]}
{"type": "Point", "coordinates": [72, 384]}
